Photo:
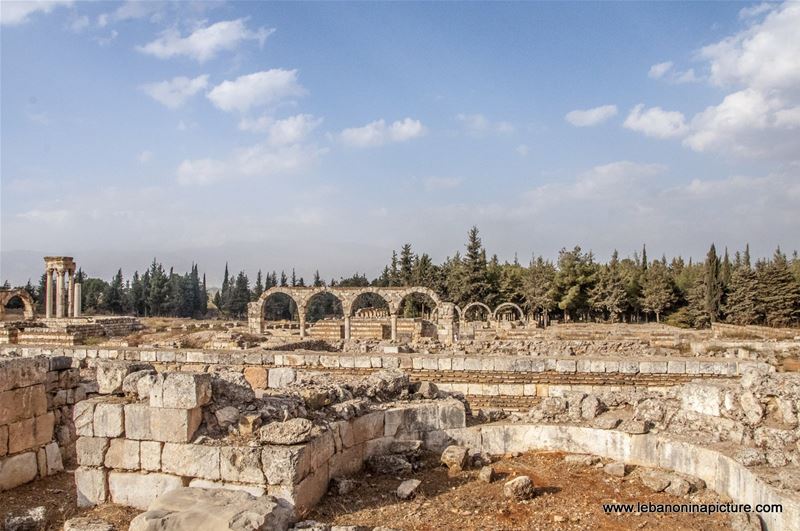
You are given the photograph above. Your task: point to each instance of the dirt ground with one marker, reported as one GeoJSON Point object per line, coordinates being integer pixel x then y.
{"type": "Point", "coordinates": [569, 497]}
{"type": "Point", "coordinates": [57, 494]}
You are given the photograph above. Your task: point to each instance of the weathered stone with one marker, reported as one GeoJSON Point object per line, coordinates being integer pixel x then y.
{"type": "Point", "coordinates": [581, 459]}
{"type": "Point", "coordinates": [33, 520]}
{"type": "Point", "coordinates": [91, 451]}
{"type": "Point", "coordinates": [342, 486]}
{"type": "Point", "coordinates": [227, 416]}
{"type": "Point", "coordinates": [213, 510]}
{"type": "Point", "coordinates": [408, 488]}
{"type": "Point", "coordinates": [140, 490]}
{"type": "Point", "coordinates": [139, 383]}
{"type": "Point", "coordinates": [122, 454]}
{"type": "Point", "coordinates": [53, 459]}
{"type": "Point", "coordinates": [752, 408]}
{"type": "Point", "coordinates": [181, 390]}
{"type": "Point", "coordinates": [192, 460]}
{"type": "Point", "coordinates": [634, 426]}
{"type": "Point", "coordinates": [655, 480]}
{"type": "Point", "coordinates": [311, 525]}
{"type": "Point", "coordinates": [606, 422]}
{"type": "Point", "coordinates": [293, 431]}
{"type": "Point", "coordinates": [650, 410]}
{"type": "Point", "coordinates": [253, 490]}
{"type": "Point", "coordinates": [281, 377]}
{"type": "Point", "coordinates": [591, 407]}
{"type": "Point", "coordinates": [91, 485]}
{"type": "Point", "coordinates": [519, 488]}
{"type": "Point", "coordinates": [389, 464]}
{"type": "Point", "coordinates": [174, 425]}
{"type": "Point", "coordinates": [82, 523]}
{"type": "Point", "coordinates": [110, 374]}
{"type": "Point", "coordinates": [3, 440]}
{"type": "Point", "coordinates": [241, 464]}
{"type": "Point", "coordinates": [257, 377]}
{"type": "Point", "coordinates": [456, 458]}
{"type": "Point", "coordinates": [17, 470]}
{"type": "Point", "coordinates": [231, 388]}
{"type": "Point", "coordinates": [617, 469]}
{"type": "Point", "coordinates": [750, 456]}
{"type": "Point", "coordinates": [487, 474]}
{"type": "Point", "coordinates": [150, 455]}
{"type": "Point", "coordinates": [678, 487]}
{"type": "Point", "coordinates": [249, 423]}
{"type": "Point", "coordinates": [428, 390]}
{"type": "Point", "coordinates": [83, 418]}
{"type": "Point", "coordinates": [137, 421]}
{"type": "Point", "coordinates": [21, 436]}
{"type": "Point", "coordinates": [108, 420]}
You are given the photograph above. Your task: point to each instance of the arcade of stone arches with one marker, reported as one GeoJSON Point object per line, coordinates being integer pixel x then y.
{"type": "Point", "coordinates": [443, 315]}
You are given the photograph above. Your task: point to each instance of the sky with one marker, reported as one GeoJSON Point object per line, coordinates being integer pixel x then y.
{"type": "Point", "coordinates": [324, 135]}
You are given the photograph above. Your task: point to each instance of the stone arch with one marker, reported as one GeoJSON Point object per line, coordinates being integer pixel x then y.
{"type": "Point", "coordinates": [508, 305]}
{"type": "Point", "coordinates": [464, 311]}
{"type": "Point", "coordinates": [355, 294]}
{"type": "Point", "coordinates": [321, 292]}
{"type": "Point", "coordinates": [296, 298]}
{"type": "Point", "coordinates": [7, 295]}
{"type": "Point", "coordinates": [401, 296]}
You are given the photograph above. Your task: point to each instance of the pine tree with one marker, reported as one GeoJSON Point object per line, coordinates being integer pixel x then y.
{"type": "Point", "coordinates": [318, 283]}
{"type": "Point", "coordinates": [258, 288]}
{"type": "Point", "coordinates": [742, 306]}
{"type": "Point", "coordinates": [712, 285]}
{"type": "Point", "coordinates": [780, 292]}
{"type": "Point", "coordinates": [644, 257]}
{"type": "Point", "coordinates": [608, 294]}
{"type": "Point", "coordinates": [240, 295]}
{"type": "Point", "coordinates": [284, 280]}
{"type": "Point", "coordinates": [294, 278]}
{"type": "Point", "coordinates": [158, 290]}
{"type": "Point", "coordinates": [574, 280]}
{"type": "Point", "coordinates": [657, 290]}
{"type": "Point", "coordinates": [476, 285]}
{"type": "Point", "coordinates": [394, 271]}
{"type": "Point", "coordinates": [114, 296]}
{"type": "Point", "coordinates": [136, 295]}
{"type": "Point", "coordinates": [406, 264]}
{"type": "Point", "coordinates": [539, 286]}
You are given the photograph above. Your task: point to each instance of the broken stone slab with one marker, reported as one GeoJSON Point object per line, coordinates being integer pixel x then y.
{"type": "Point", "coordinates": [87, 524]}
{"type": "Point", "coordinates": [678, 487]}
{"type": "Point", "coordinates": [293, 431]}
{"type": "Point", "coordinates": [213, 510]}
{"type": "Point", "coordinates": [655, 480]}
{"type": "Point", "coordinates": [227, 416]}
{"type": "Point", "coordinates": [456, 458]}
{"type": "Point", "coordinates": [581, 459]}
{"type": "Point", "coordinates": [617, 469]}
{"type": "Point", "coordinates": [389, 464]}
{"type": "Point", "coordinates": [750, 456]}
{"type": "Point", "coordinates": [110, 374]}
{"type": "Point", "coordinates": [281, 377]}
{"type": "Point", "coordinates": [634, 427]}
{"type": "Point", "coordinates": [138, 383]}
{"type": "Point", "coordinates": [181, 390]}
{"type": "Point", "coordinates": [606, 423]}
{"type": "Point", "coordinates": [487, 474]}
{"type": "Point", "coordinates": [231, 388]}
{"type": "Point", "coordinates": [408, 488]}
{"type": "Point", "coordinates": [519, 488]}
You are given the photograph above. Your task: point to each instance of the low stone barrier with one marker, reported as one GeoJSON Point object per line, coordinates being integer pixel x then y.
{"type": "Point", "coordinates": [721, 473]}
{"type": "Point", "coordinates": [27, 449]}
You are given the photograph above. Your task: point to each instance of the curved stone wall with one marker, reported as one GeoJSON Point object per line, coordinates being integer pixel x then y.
{"type": "Point", "coordinates": [720, 472]}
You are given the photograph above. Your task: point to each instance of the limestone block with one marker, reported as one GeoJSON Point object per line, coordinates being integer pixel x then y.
{"type": "Point", "coordinates": [150, 455]}
{"type": "Point", "coordinates": [241, 464]}
{"type": "Point", "coordinates": [91, 451]}
{"type": "Point", "coordinates": [181, 390]}
{"type": "Point", "coordinates": [705, 398]}
{"type": "Point", "coordinates": [21, 436]}
{"type": "Point", "coordinates": [284, 464]}
{"type": "Point", "coordinates": [366, 427]}
{"type": "Point", "coordinates": [193, 460]}
{"type": "Point", "coordinates": [43, 428]}
{"type": "Point", "coordinates": [347, 462]}
{"type": "Point", "coordinates": [137, 421]}
{"type": "Point", "coordinates": [253, 490]}
{"type": "Point", "coordinates": [256, 377]}
{"type": "Point", "coordinates": [214, 510]}
{"type": "Point", "coordinates": [174, 425]}
{"type": "Point", "coordinates": [140, 490]}
{"type": "Point", "coordinates": [3, 440]}
{"type": "Point", "coordinates": [87, 524]}
{"type": "Point", "coordinates": [451, 415]}
{"type": "Point", "coordinates": [22, 372]}
{"type": "Point", "coordinates": [18, 404]}
{"type": "Point", "coordinates": [281, 377]}
{"type": "Point", "coordinates": [17, 470]}
{"type": "Point", "coordinates": [91, 485]}
{"type": "Point", "coordinates": [108, 420]}
{"type": "Point", "coordinates": [122, 454]}
{"type": "Point", "coordinates": [111, 374]}
{"type": "Point", "coordinates": [566, 366]}
{"type": "Point", "coordinates": [311, 490]}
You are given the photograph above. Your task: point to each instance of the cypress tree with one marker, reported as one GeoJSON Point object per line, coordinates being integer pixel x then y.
{"type": "Point", "coordinates": [742, 305]}
{"type": "Point", "coordinates": [258, 288]}
{"type": "Point", "coordinates": [712, 285]}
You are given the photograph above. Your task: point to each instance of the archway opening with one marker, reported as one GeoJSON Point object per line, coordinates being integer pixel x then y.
{"type": "Point", "coordinates": [280, 311]}
{"type": "Point", "coordinates": [370, 317]}
{"type": "Point", "coordinates": [14, 309]}
{"type": "Point", "coordinates": [417, 316]}
{"type": "Point", "coordinates": [509, 312]}
{"type": "Point", "coordinates": [476, 312]}
{"type": "Point", "coordinates": [370, 305]}
{"type": "Point", "coordinates": [323, 305]}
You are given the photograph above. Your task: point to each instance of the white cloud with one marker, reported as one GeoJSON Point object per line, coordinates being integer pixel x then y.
{"type": "Point", "coordinates": [657, 71]}
{"type": "Point", "coordinates": [145, 156]}
{"type": "Point", "coordinates": [175, 92]}
{"type": "Point", "coordinates": [756, 10]}
{"type": "Point", "coordinates": [590, 117]}
{"type": "Point", "coordinates": [378, 133]}
{"type": "Point", "coordinates": [279, 132]}
{"type": "Point", "coordinates": [656, 122]}
{"type": "Point", "coordinates": [133, 10]}
{"type": "Point", "coordinates": [14, 12]}
{"type": "Point", "coordinates": [78, 24]}
{"type": "Point", "coordinates": [204, 43]}
{"type": "Point", "coordinates": [442, 183]}
{"type": "Point", "coordinates": [522, 150]}
{"type": "Point", "coordinates": [479, 125]}
{"type": "Point", "coordinates": [268, 87]}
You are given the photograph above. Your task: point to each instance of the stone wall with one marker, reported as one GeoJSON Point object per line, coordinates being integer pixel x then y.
{"type": "Point", "coordinates": [27, 449]}
{"type": "Point", "coordinates": [130, 451]}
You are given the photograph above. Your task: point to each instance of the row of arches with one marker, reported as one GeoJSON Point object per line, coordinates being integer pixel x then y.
{"type": "Point", "coordinates": [506, 309]}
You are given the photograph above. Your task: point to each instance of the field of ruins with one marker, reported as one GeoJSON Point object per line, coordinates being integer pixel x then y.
{"type": "Point", "coordinates": [378, 421]}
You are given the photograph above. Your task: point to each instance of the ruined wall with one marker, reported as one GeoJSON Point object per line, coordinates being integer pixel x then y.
{"type": "Point", "coordinates": [27, 449]}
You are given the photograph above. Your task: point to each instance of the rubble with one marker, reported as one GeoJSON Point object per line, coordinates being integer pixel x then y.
{"type": "Point", "coordinates": [519, 488]}
{"type": "Point", "coordinates": [408, 488]}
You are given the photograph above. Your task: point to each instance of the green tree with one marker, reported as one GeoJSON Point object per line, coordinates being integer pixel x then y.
{"type": "Point", "coordinates": [609, 295]}
{"type": "Point", "coordinates": [712, 285]}
{"type": "Point", "coordinates": [780, 292]}
{"type": "Point", "coordinates": [114, 296]}
{"type": "Point", "coordinates": [574, 281]}
{"type": "Point", "coordinates": [539, 288]}
{"type": "Point", "coordinates": [742, 306]}
{"type": "Point", "coordinates": [657, 291]}
{"type": "Point", "coordinates": [258, 287]}
{"type": "Point", "coordinates": [476, 285]}
{"type": "Point", "coordinates": [158, 292]}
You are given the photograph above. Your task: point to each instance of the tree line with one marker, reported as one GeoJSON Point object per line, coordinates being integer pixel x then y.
{"type": "Point", "coordinates": [574, 287]}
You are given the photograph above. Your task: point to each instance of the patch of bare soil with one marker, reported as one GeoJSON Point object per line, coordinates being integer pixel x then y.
{"type": "Point", "coordinates": [57, 494]}
{"type": "Point", "coordinates": [568, 497]}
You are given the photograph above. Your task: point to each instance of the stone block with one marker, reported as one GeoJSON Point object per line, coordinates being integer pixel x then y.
{"type": "Point", "coordinates": [18, 404]}
{"type": "Point", "coordinates": [241, 464]}
{"type": "Point", "coordinates": [192, 460]}
{"type": "Point", "coordinates": [108, 420]}
{"type": "Point", "coordinates": [181, 390]}
{"type": "Point", "coordinates": [137, 421]}
{"type": "Point", "coordinates": [3, 440]}
{"type": "Point", "coordinates": [91, 451]}
{"type": "Point", "coordinates": [83, 418]}
{"type": "Point", "coordinates": [91, 485]}
{"type": "Point", "coordinates": [21, 436]}
{"type": "Point", "coordinates": [122, 454]}
{"type": "Point", "coordinates": [150, 455]}
{"type": "Point", "coordinates": [253, 490]}
{"type": "Point", "coordinates": [281, 377]}
{"type": "Point", "coordinates": [283, 465]}
{"type": "Point", "coordinates": [17, 470]}
{"type": "Point", "coordinates": [256, 377]}
{"type": "Point", "coordinates": [311, 490]}
{"type": "Point", "coordinates": [174, 425]}
{"type": "Point", "coordinates": [22, 372]}
{"type": "Point", "coordinates": [53, 459]}
{"type": "Point", "coordinates": [43, 429]}
{"type": "Point", "coordinates": [451, 415]}
{"type": "Point", "coordinates": [366, 427]}
{"type": "Point", "coordinates": [566, 366]}
{"type": "Point", "coordinates": [347, 462]}
{"type": "Point", "coordinates": [110, 374]}
{"type": "Point", "coordinates": [140, 490]}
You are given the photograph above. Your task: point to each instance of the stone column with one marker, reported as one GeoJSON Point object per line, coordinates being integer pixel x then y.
{"type": "Point", "coordinates": [77, 309]}
{"type": "Point", "coordinates": [48, 294]}
{"type": "Point", "coordinates": [393, 319]}
{"type": "Point", "coordinates": [70, 292]}
{"type": "Point", "coordinates": [301, 313]}
{"type": "Point", "coordinates": [59, 293]}
{"type": "Point", "coordinates": [347, 327]}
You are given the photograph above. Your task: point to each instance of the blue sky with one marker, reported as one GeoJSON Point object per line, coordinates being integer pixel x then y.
{"type": "Point", "coordinates": [324, 135]}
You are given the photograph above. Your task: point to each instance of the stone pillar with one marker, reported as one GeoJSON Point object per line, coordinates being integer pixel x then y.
{"type": "Point", "coordinates": [393, 319]}
{"type": "Point", "coordinates": [48, 294]}
{"type": "Point", "coordinates": [70, 292]}
{"type": "Point", "coordinates": [347, 327]}
{"type": "Point", "coordinates": [302, 324]}
{"type": "Point", "coordinates": [59, 294]}
{"type": "Point", "coordinates": [76, 312]}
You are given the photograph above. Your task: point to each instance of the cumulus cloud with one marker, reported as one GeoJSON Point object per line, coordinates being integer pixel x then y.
{"type": "Point", "coordinates": [479, 125]}
{"type": "Point", "coordinates": [15, 12]}
{"type": "Point", "coordinates": [378, 133]}
{"type": "Point", "coordinates": [268, 87]}
{"type": "Point", "coordinates": [279, 132]}
{"type": "Point", "coordinates": [175, 92]}
{"type": "Point", "coordinates": [204, 43]}
{"type": "Point", "coordinates": [657, 71]}
{"type": "Point", "coordinates": [668, 72]}
{"type": "Point", "coordinates": [656, 122]}
{"type": "Point", "coordinates": [590, 117]}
